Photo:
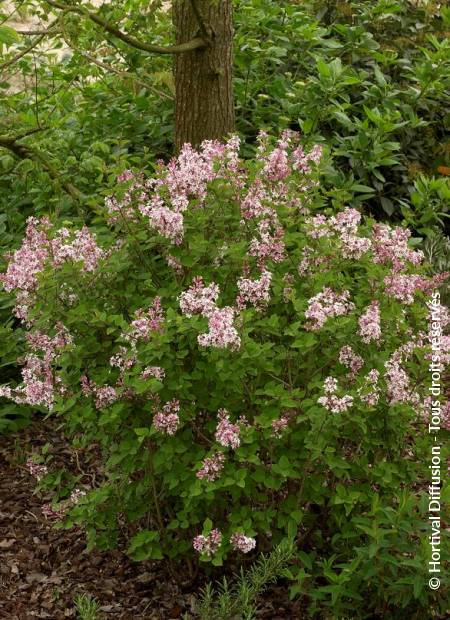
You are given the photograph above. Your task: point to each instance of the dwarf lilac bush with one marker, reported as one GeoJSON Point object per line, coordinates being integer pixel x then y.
{"type": "Point", "coordinates": [251, 364]}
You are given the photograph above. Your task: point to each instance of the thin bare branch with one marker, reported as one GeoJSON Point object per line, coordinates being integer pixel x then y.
{"type": "Point", "coordinates": [123, 74]}
{"type": "Point", "coordinates": [34, 43]}
{"type": "Point", "coordinates": [23, 53]}
{"type": "Point", "coordinates": [25, 152]}
{"type": "Point", "coordinates": [27, 33]}
{"type": "Point", "coordinates": [189, 46]}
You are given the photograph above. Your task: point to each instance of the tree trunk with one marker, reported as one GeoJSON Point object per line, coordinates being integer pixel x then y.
{"type": "Point", "coordinates": [204, 106]}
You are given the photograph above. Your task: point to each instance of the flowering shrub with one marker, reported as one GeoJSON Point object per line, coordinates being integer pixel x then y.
{"type": "Point", "coordinates": [252, 366]}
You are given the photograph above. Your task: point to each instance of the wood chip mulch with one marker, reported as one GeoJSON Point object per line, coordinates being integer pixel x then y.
{"type": "Point", "coordinates": [43, 568]}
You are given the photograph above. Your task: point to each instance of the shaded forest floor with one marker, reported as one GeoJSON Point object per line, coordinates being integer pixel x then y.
{"type": "Point", "coordinates": [43, 568]}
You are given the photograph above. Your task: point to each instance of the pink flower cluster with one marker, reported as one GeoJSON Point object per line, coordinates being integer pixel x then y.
{"type": "Point", "coordinates": [81, 246]}
{"type": "Point", "coordinates": [288, 155]}
{"type": "Point", "coordinates": [153, 371]}
{"type": "Point", "coordinates": [325, 305]}
{"type": "Point", "coordinates": [332, 402]}
{"type": "Point", "coordinates": [38, 250]}
{"type": "Point", "coordinates": [404, 286]}
{"type": "Point", "coordinates": [26, 263]}
{"type": "Point", "coordinates": [146, 322]}
{"type": "Point", "coordinates": [398, 382]}
{"type": "Point", "coordinates": [256, 202]}
{"type": "Point", "coordinates": [227, 434]}
{"type": "Point", "coordinates": [279, 425]}
{"type": "Point", "coordinates": [105, 396]}
{"type": "Point", "coordinates": [209, 544]}
{"type": "Point", "coordinates": [242, 543]}
{"type": "Point", "coordinates": [40, 385]}
{"type": "Point", "coordinates": [254, 292]}
{"type": "Point", "coordinates": [58, 512]}
{"type": "Point", "coordinates": [301, 160]}
{"type": "Point", "coordinates": [351, 360]}
{"type": "Point", "coordinates": [36, 470]}
{"type": "Point", "coordinates": [182, 180]}
{"type": "Point", "coordinates": [390, 245]}
{"type": "Point", "coordinates": [167, 420]}
{"type": "Point", "coordinates": [369, 323]}
{"type": "Point", "coordinates": [311, 261]}
{"type": "Point", "coordinates": [277, 166]}
{"type": "Point", "coordinates": [345, 226]}
{"type": "Point", "coordinates": [188, 174]}
{"type": "Point", "coordinates": [200, 299]}
{"type": "Point", "coordinates": [212, 467]}
{"type": "Point", "coordinates": [123, 210]}
{"type": "Point", "coordinates": [269, 245]}
{"type": "Point", "coordinates": [168, 223]}
{"type": "Point", "coordinates": [123, 360]}
{"type": "Point", "coordinates": [370, 392]}
{"type": "Point", "coordinates": [221, 331]}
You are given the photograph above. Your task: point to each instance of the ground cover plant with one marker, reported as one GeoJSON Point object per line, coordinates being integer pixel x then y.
{"type": "Point", "coordinates": [252, 364]}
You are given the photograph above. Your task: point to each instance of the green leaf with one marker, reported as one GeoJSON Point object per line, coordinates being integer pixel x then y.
{"type": "Point", "coordinates": [8, 35]}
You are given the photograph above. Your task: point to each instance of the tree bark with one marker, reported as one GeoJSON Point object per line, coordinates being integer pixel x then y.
{"type": "Point", "coordinates": [204, 106]}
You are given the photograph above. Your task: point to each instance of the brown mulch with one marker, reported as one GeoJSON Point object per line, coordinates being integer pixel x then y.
{"type": "Point", "coordinates": [43, 568]}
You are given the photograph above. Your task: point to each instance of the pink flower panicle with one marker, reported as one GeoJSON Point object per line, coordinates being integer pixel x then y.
{"type": "Point", "coordinates": [390, 246]}
{"type": "Point", "coordinates": [153, 371]}
{"type": "Point", "coordinates": [25, 265]}
{"type": "Point", "coordinates": [167, 222]}
{"type": "Point", "coordinates": [277, 166]}
{"type": "Point", "coordinates": [82, 248]}
{"type": "Point", "coordinates": [351, 360]}
{"type": "Point", "coordinates": [301, 160]}
{"type": "Point", "coordinates": [398, 382]}
{"type": "Point", "coordinates": [209, 544]}
{"type": "Point", "coordinates": [36, 470]}
{"type": "Point", "coordinates": [254, 292]}
{"type": "Point", "coordinates": [242, 543]}
{"type": "Point", "coordinates": [123, 360]}
{"type": "Point", "coordinates": [40, 385]}
{"type": "Point", "coordinates": [345, 226]}
{"type": "Point", "coordinates": [227, 434]}
{"type": "Point", "coordinates": [167, 420]}
{"type": "Point", "coordinates": [332, 402]}
{"type": "Point", "coordinates": [403, 286]}
{"type": "Point", "coordinates": [38, 250]}
{"type": "Point", "coordinates": [146, 322]}
{"type": "Point", "coordinates": [370, 392]}
{"type": "Point", "coordinates": [28, 260]}
{"type": "Point", "coordinates": [221, 331]}
{"type": "Point", "coordinates": [270, 245]}
{"type": "Point", "coordinates": [369, 323]}
{"type": "Point", "coordinates": [279, 425]}
{"type": "Point", "coordinates": [256, 202]}
{"type": "Point", "coordinates": [326, 304]}
{"type": "Point", "coordinates": [198, 298]}
{"type": "Point", "coordinates": [105, 396]}
{"type": "Point", "coordinates": [201, 299]}
{"type": "Point", "coordinates": [212, 467]}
